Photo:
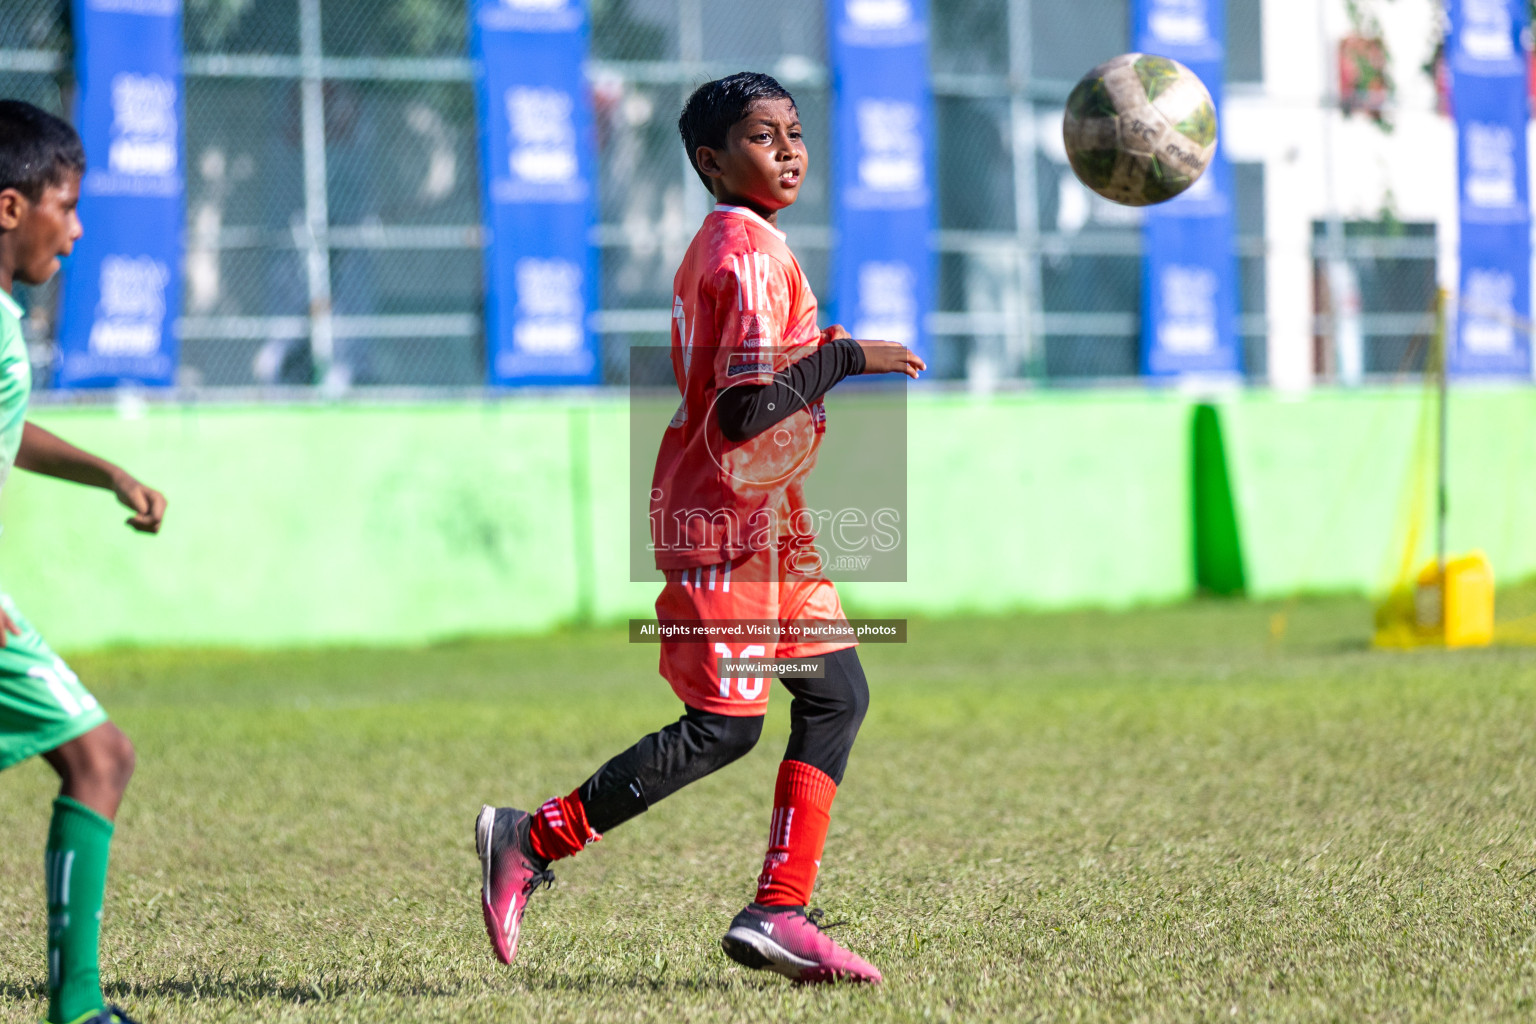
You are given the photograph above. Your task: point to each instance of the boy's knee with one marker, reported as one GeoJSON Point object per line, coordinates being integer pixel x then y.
{"type": "Point", "coordinates": [847, 715]}
{"type": "Point", "coordinates": [827, 713]}
{"type": "Point", "coordinates": [124, 758]}
{"type": "Point", "coordinates": [696, 745]}
{"type": "Point", "coordinates": [104, 756]}
{"type": "Point", "coordinates": [846, 693]}
{"type": "Point", "coordinates": [733, 737]}
{"type": "Point", "coordinates": [856, 700]}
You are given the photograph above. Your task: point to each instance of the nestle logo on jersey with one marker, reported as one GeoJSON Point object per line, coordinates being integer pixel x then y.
{"type": "Point", "coordinates": [754, 333]}
{"type": "Point", "coordinates": [743, 364]}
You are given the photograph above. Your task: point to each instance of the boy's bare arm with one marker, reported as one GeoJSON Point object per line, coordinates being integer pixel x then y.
{"type": "Point", "coordinates": [882, 356]}
{"type": "Point", "coordinates": [891, 357]}
{"type": "Point", "coordinates": [48, 454]}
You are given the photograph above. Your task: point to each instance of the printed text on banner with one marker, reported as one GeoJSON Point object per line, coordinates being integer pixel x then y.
{"type": "Point", "coordinates": [122, 285]}
{"type": "Point", "coordinates": [1189, 264]}
{"type": "Point", "coordinates": [537, 174]}
{"type": "Point", "coordinates": [882, 269]}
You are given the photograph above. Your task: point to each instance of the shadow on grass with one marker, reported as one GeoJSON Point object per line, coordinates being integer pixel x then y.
{"type": "Point", "coordinates": [1351, 645]}
{"type": "Point", "coordinates": [244, 987]}
{"type": "Point", "coordinates": [591, 982]}
{"type": "Point", "coordinates": [250, 988]}
{"type": "Point", "coordinates": [247, 987]}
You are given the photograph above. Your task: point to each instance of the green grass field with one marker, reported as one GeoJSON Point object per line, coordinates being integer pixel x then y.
{"type": "Point", "coordinates": [1154, 816]}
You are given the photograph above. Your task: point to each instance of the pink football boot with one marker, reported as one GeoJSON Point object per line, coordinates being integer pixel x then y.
{"type": "Point", "coordinates": [510, 872]}
{"type": "Point", "coordinates": [790, 941]}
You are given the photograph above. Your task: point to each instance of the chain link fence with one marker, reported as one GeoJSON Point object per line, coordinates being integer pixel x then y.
{"type": "Point", "coordinates": [333, 233]}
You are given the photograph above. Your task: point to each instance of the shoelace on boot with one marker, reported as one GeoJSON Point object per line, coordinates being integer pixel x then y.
{"type": "Point", "coordinates": [814, 916]}
{"type": "Point", "coordinates": [545, 878]}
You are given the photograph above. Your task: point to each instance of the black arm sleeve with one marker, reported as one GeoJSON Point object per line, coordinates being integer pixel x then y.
{"type": "Point", "coordinates": [747, 410]}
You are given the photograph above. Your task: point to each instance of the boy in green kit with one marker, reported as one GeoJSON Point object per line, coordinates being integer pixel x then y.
{"type": "Point", "coordinates": [43, 708]}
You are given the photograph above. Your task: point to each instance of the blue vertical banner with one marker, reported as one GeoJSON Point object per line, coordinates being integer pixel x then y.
{"type": "Point", "coordinates": [537, 169]}
{"type": "Point", "coordinates": [1189, 298]}
{"type": "Point", "coordinates": [122, 289]}
{"type": "Point", "coordinates": [882, 117]}
{"type": "Point", "coordinates": [1487, 63]}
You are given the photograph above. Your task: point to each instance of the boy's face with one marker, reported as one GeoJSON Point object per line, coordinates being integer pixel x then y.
{"type": "Point", "coordinates": [38, 233]}
{"type": "Point", "coordinates": [764, 159]}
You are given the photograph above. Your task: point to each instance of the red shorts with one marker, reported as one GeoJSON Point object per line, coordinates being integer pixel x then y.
{"type": "Point", "coordinates": [765, 589]}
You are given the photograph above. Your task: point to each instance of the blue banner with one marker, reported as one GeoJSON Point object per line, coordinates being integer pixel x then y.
{"type": "Point", "coordinates": [122, 288]}
{"type": "Point", "coordinates": [537, 175]}
{"type": "Point", "coordinates": [882, 269]}
{"type": "Point", "coordinates": [1488, 96]}
{"type": "Point", "coordinates": [1189, 263]}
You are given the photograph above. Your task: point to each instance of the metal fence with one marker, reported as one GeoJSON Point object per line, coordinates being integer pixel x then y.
{"type": "Point", "coordinates": [333, 231]}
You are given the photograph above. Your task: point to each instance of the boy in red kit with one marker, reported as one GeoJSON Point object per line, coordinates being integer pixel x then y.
{"type": "Point", "coordinates": [735, 541]}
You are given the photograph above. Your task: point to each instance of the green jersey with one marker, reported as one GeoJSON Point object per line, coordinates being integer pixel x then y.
{"type": "Point", "coordinates": [15, 383]}
{"type": "Point", "coordinates": [42, 703]}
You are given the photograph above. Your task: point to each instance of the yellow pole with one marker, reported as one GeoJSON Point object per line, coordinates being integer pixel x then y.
{"type": "Point", "coordinates": [1441, 499]}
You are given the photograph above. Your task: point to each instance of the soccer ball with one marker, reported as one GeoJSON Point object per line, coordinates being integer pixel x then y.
{"type": "Point", "coordinates": [1139, 129]}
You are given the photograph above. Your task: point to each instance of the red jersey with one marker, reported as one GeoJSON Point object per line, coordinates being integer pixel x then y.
{"type": "Point", "coordinates": [742, 311]}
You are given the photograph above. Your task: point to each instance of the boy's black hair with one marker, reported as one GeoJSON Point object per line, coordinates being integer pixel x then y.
{"type": "Point", "coordinates": [36, 149]}
{"type": "Point", "coordinates": [715, 106]}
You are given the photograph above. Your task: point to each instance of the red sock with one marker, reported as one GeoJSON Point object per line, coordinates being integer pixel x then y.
{"type": "Point", "coordinates": [802, 806]}
{"type": "Point", "coordinates": [559, 828]}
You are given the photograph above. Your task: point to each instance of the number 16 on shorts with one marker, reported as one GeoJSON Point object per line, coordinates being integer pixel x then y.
{"type": "Point", "coordinates": [747, 689]}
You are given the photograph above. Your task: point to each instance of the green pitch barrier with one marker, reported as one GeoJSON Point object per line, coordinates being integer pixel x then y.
{"type": "Point", "coordinates": [369, 524]}
{"type": "Point", "coordinates": [1322, 485]}
{"type": "Point", "coordinates": [1043, 502]}
{"type": "Point", "coordinates": [304, 526]}
{"type": "Point", "coordinates": [406, 524]}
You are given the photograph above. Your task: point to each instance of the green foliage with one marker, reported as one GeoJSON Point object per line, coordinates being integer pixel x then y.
{"type": "Point", "coordinates": [1386, 216]}
{"type": "Point", "coordinates": [619, 35]}
{"type": "Point", "coordinates": [215, 20]}
{"type": "Point", "coordinates": [1159, 816]}
{"type": "Point", "coordinates": [1370, 76]}
{"type": "Point", "coordinates": [429, 26]}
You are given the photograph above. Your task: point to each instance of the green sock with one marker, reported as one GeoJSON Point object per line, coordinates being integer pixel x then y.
{"type": "Point", "coordinates": [76, 858]}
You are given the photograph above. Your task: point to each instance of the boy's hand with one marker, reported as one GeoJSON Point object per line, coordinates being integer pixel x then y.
{"type": "Point", "coordinates": [7, 625]}
{"type": "Point", "coordinates": [890, 357]}
{"type": "Point", "coordinates": [146, 502]}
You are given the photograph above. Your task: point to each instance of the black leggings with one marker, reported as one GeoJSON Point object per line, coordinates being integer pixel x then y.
{"type": "Point", "coordinates": [824, 718]}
